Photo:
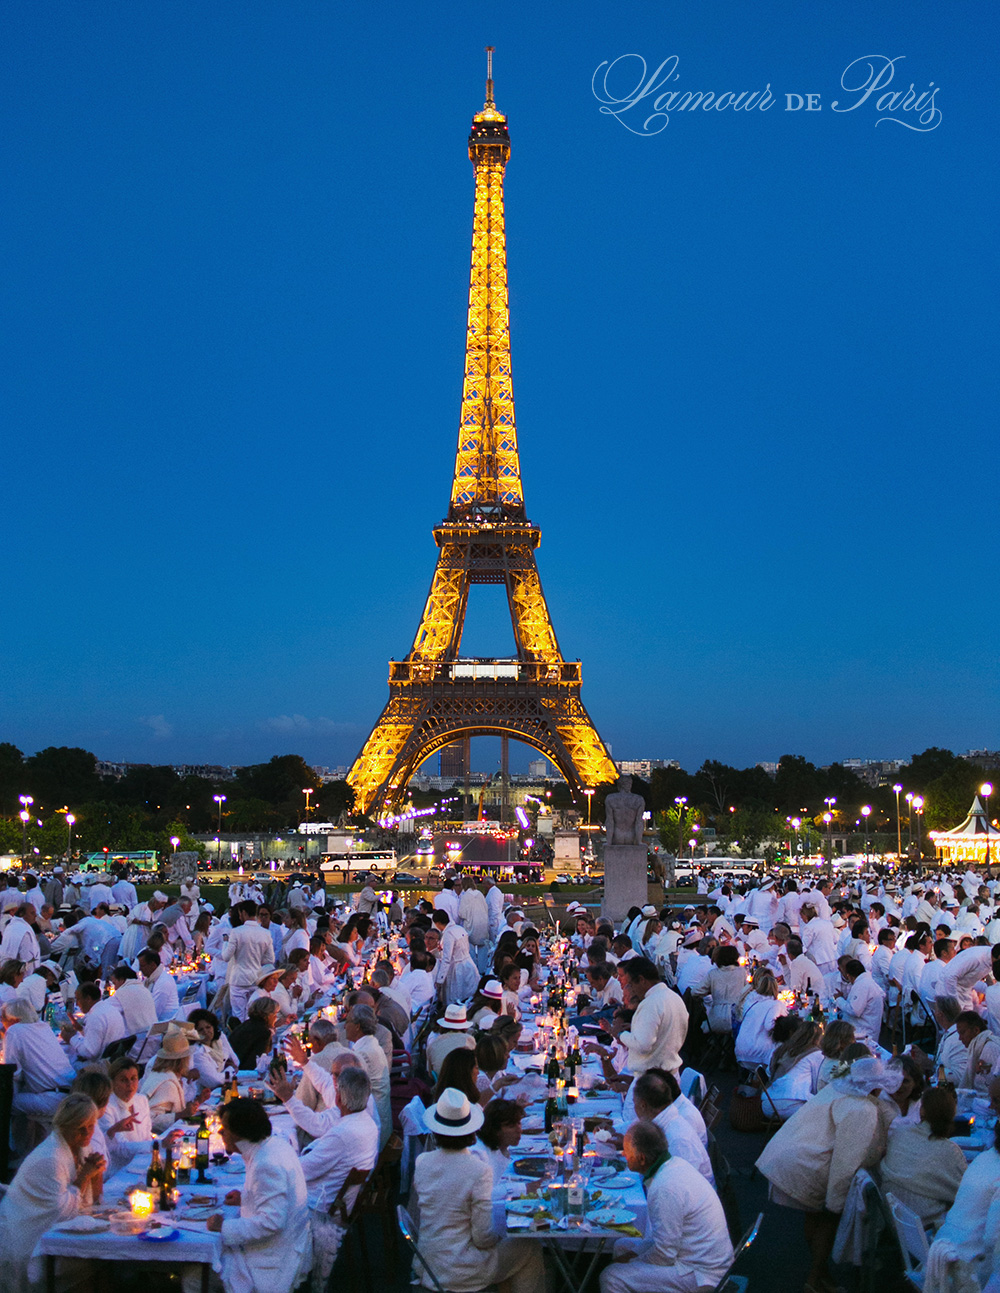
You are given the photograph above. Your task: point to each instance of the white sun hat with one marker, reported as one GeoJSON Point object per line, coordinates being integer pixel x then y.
{"type": "Point", "coordinates": [454, 1115]}
{"type": "Point", "coordinates": [454, 1017]}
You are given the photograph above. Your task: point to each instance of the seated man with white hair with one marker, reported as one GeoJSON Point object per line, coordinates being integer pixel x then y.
{"type": "Point", "coordinates": [160, 982]}
{"type": "Point", "coordinates": [101, 1025]}
{"type": "Point", "coordinates": [42, 1073]}
{"type": "Point", "coordinates": [653, 1096]}
{"type": "Point", "coordinates": [347, 1138]}
{"type": "Point", "coordinates": [359, 1028]}
{"type": "Point", "coordinates": [686, 1245]}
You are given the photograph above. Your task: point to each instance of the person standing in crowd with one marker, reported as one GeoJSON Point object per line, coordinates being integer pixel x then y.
{"type": "Point", "coordinates": [247, 949]}
{"type": "Point", "coordinates": [474, 917]}
{"type": "Point", "coordinates": [456, 975]}
{"type": "Point", "coordinates": [659, 1025]}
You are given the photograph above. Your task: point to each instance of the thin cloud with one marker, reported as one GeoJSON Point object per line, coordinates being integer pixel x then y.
{"type": "Point", "coordinates": [298, 724]}
{"type": "Point", "coordinates": [159, 726]}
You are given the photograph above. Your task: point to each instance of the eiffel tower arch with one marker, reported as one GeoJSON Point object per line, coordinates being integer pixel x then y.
{"type": "Point", "coordinates": [436, 695]}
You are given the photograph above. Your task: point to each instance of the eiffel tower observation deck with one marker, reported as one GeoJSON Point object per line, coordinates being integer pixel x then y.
{"type": "Point", "coordinates": [436, 696]}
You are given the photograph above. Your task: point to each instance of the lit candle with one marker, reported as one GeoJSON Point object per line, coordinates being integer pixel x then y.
{"type": "Point", "coordinates": [141, 1203]}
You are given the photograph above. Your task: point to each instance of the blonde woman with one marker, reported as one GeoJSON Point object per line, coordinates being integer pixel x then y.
{"type": "Point", "coordinates": [754, 1044]}
{"type": "Point", "coordinates": [55, 1182]}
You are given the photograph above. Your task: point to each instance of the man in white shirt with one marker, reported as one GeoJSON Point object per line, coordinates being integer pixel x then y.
{"type": "Point", "coordinates": [134, 1000]}
{"type": "Point", "coordinates": [494, 905]}
{"type": "Point", "coordinates": [660, 1023]}
{"type": "Point", "coordinates": [160, 982]}
{"type": "Point", "coordinates": [696, 968]}
{"type": "Point", "coordinates": [474, 917]}
{"type": "Point", "coordinates": [42, 1072]}
{"type": "Point", "coordinates": [19, 942]}
{"type": "Point", "coordinates": [98, 891]}
{"type": "Point", "coordinates": [448, 899]}
{"type": "Point", "coordinates": [653, 1096]}
{"type": "Point", "coordinates": [930, 980]}
{"type": "Point", "coordinates": [790, 905]}
{"type": "Point", "coordinates": [686, 1245]}
{"type": "Point", "coordinates": [964, 972]}
{"type": "Point", "coordinates": [819, 941]}
{"type": "Point", "coordinates": [797, 971]}
{"type": "Point", "coordinates": [819, 898]}
{"type": "Point", "coordinates": [123, 892]}
{"type": "Point", "coordinates": [864, 1002]}
{"type": "Point", "coordinates": [249, 949]}
{"type": "Point", "coordinates": [359, 1028]}
{"type": "Point", "coordinates": [102, 1024]}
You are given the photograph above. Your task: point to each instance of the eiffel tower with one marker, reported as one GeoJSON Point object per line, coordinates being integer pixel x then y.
{"type": "Point", "coordinates": [436, 696]}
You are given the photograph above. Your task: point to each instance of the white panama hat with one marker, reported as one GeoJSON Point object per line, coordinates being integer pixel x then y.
{"type": "Point", "coordinates": [454, 1115]}
{"type": "Point", "coordinates": [454, 1017]}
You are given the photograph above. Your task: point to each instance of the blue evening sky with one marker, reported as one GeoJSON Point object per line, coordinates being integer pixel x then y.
{"type": "Point", "coordinates": [754, 366]}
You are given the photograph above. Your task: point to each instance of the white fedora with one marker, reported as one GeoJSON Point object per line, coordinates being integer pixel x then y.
{"type": "Point", "coordinates": [453, 1115]}
{"type": "Point", "coordinates": [454, 1017]}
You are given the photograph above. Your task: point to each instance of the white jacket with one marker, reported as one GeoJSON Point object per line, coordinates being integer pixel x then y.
{"type": "Point", "coordinates": [267, 1248]}
{"type": "Point", "coordinates": [658, 1029]}
{"type": "Point", "coordinates": [452, 1190]}
{"type": "Point", "coordinates": [351, 1142]}
{"type": "Point", "coordinates": [41, 1195]}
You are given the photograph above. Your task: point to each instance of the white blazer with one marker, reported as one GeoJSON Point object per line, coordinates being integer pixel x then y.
{"type": "Point", "coordinates": [268, 1248]}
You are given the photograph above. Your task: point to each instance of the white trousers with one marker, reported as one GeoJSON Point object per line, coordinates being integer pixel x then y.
{"type": "Point", "coordinates": [238, 998]}
{"type": "Point", "coordinates": [644, 1277]}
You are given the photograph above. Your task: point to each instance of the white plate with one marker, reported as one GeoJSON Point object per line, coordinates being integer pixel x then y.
{"type": "Point", "coordinates": [610, 1216]}
{"type": "Point", "coordinates": [618, 1181]}
{"type": "Point", "coordinates": [526, 1207]}
{"type": "Point", "coordinates": [84, 1225]}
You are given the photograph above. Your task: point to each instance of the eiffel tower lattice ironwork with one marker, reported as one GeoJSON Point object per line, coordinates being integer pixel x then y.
{"type": "Point", "coordinates": [435, 695]}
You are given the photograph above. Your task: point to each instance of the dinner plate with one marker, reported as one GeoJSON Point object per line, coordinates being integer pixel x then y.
{"type": "Point", "coordinates": [84, 1225]}
{"type": "Point", "coordinates": [532, 1166]}
{"type": "Point", "coordinates": [620, 1181]}
{"type": "Point", "coordinates": [160, 1235]}
{"type": "Point", "coordinates": [526, 1207]}
{"type": "Point", "coordinates": [610, 1216]}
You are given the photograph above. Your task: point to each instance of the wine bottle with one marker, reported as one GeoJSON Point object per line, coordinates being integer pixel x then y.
{"type": "Point", "coordinates": [154, 1173]}
{"type": "Point", "coordinates": [202, 1142]}
{"type": "Point", "coordinates": [552, 1071]}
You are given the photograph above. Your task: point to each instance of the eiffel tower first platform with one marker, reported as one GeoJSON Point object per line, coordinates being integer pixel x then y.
{"type": "Point", "coordinates": [436, 696]}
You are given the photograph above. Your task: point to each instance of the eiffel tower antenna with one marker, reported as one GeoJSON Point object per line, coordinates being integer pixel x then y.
{"type": "Point", "coordinates": [436, 696]}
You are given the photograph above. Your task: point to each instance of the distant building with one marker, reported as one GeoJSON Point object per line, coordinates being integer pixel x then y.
{"type": "Point", "coordinates": [874, 772]}
{"type": "Point", "coordinates": [989, 760]}
{"type": "Point", "coordinates": [643, 767]}
{"type": "Point", "coordinates": [538, 768]}
{"type": "Point", "coordinates": [451, 760]}
{"type": "Point", "coordinates": [210, 771]}
{"type": "Point", "coordinates": [770, 768]}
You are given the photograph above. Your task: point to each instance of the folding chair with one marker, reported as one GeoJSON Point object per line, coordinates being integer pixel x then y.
{"type": "Point", "coordinates": [913, 1242]}
{"type": "Point", "coordinates": [723, 1174]}
{"type": "Point", "coordinates": [731, 1283]}
{"type": "Point", "coordinates": [151, 1042]}
{"type": "Point", "coordinates": [376, 1199]}
{"type": "Point", "coordinates": [711, 1113]}
{"type": "Point", "coordinates": [767, 1106]}
{"type": "Point", "coordinates": [693, 1085]}
{"type": "Point", "coordinates": [409, 1232]}
{"type": "Point", "coordinates": [122, 1046]}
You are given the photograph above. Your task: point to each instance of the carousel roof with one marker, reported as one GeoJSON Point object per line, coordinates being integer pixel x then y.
{"type": "Point", "coordinates": [975, 827]}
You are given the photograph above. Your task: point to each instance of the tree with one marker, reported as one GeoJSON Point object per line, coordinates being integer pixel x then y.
{"type": "Point", "coordinates": [796, 783]}
{"type": "Point", "coordinates": [62, 774]}
{"type": "Point", "coordinates": [752, 824]}
{"type": "Point", "coordinates": [280, 781]}
{"type": "Point", "coordinates": [11, 777]}
{"type": "Point", "coordinates": [927, 767]}
{"type": "Point", "coordinates": [949, 797]}
{"type": "Point", "coordinates": [335, 797]}
{"type": "Point", "coordinates": [668, 784]}
{"type": "Point", "coordinates": [717, 782]}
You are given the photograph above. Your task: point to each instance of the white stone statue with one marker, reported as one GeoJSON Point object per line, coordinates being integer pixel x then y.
{"type": "Point", "coordinates": [623, 814]}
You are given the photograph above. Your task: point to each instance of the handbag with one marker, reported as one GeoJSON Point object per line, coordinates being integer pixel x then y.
{"type": "Point", "coordinates": [745, 1109]}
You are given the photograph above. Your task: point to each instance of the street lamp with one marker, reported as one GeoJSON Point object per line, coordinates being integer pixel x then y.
{"type": "Point", "coordinates": [918, 807]}
{"type": "Point", "coordinates": [986, 789]}
{"type": "Point", "coordinates": [897, 790]}
{"type": "Point", "coordinates": [24, 800]}
{"type": "Point", "coordinates": [909, 820]}
{"type": "Point", "coordinates": [220, 800]}
{"type": "Point", "coordinates": [307, 791]}
{"type": "Point", "coordinates": [681, 802]}
{"type": "Point", "coordinates": [590, 797]}
{"type": "Point", "coordinates": [866, 812]}
{"type": "Point", "coordinates": [692, 843]}
{"type": "Point", "coordinates": [70, 819]}
{"type": "Point", "coordinates": [796, 823]}
{"type": "Point", "coordinates": [175, 840]}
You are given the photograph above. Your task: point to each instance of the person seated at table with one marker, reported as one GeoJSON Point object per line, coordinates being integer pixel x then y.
{"type": "Point", "coordinates": [754, 1041]}
{"type": "Point", "coordinates": [42, 1073]}
{"type": "Point", "coordinates": [351, 1142]}
{"type": "Point", "coordinates": [268, 1246]}
{"type": "Point", "coordinates": [163, 1085]}
{"type": "Point", "coordinates": [982, 1050]}
{"type": "Point", "coordinates": [686, 1245]}
{"type": "Point", "coordinates": [491, 1059]}
{"type": "Point", "coordinates": [905, 1100]}
{"type": "Point", "coordinates": [213, 1057]}
{"type": "Point", "coordinates": [392, 1003]}
{"type": "Point", "coordinates": [418, 980]}
{"type": "Point", "coordinates": [134, 1000]}
{"type": "Point", "coordinates": [11, 978]}
{"type": "Point", "coordinates": [359, 1029]}
{"type": "Point", "coordinates": [127, 1117]}
{"type": "Point", "coordinates": [724, 984]}
{"type": "Point", "coordinates": [500, 1132]}
{"type": "Point", "coordinates": [158, 979]}
{"type": "Point", "coordinates": [460, 1071]}
{"type": "Point", "coordinates": [605, 991]}
{"type": "Point", "coordinates": [451, 1032]}
{"type": "Point", "coordinates": [922, 1167]}
{"type": "Point", "coordinates": [270, 985]}
{"type": "Point", "coordinates": [509, 1031]}
{"type": "Point", "coordinates": [793, 1071]}
{"type": "Point", "coordinates": [451, 1199]}
{"type": "Point", "coordinates": [255, 1035]}
{"type": "Point", "coordinates": [102, 1024]}
{"type": "Point", "coordinates": [485, 1005]}
{"type": "Point", "coordinates": [504, 952]}
{"type": "Point", "coordinates": [837, 1036]}
{"type": "Point", "coordinates": [655, 1094]}
{"type": "Point", "coordinates": [55, 1182]}
{"type": "Point", "coordinates": [93, 1081]}
{"type": "Point", "coordinates": [968, 1233]}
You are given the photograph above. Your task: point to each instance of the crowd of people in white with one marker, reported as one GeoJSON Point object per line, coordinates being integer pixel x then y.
{"type": "Point", "coordinates": [803, 980]}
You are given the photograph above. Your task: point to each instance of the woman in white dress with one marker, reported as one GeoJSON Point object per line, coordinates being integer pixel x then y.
{"type": "Point", "coordinates": [54, 1183]}
{"type": "Point", "coordinates": [795, 1065]}
{"type": "Point", "coordinates": [297, 933]}
{"type": "Point", "coordinates": [500, 1132]}
{"type": "Point", "coordinates": [457, 974]}
{"type": "Point", "coordinates": [754, 1044]}
{"type": "Point", "coordinates": [724, 984]}
{"type": "Point", "coordinates": [213, 1057]}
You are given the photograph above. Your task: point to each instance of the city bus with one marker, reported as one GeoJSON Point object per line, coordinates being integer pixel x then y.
{"type": "Point", "coordinates": [357, 862]}
{"type": "Point", "coordinates": [142, 860]}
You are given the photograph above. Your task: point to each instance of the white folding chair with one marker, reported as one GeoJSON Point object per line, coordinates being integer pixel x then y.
{"type": "Point", "coordinates": [409, 1233]}
{"type": "Point", "coordinates": [912, 1238]}
{"type": "Point", "coordinates": [693, 1085]}
{"type": "Point", "coordinates": [731, 1283]}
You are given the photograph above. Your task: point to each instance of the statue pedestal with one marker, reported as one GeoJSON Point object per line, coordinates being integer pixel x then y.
{"type": "Point", "coordinates": [625, 882]}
